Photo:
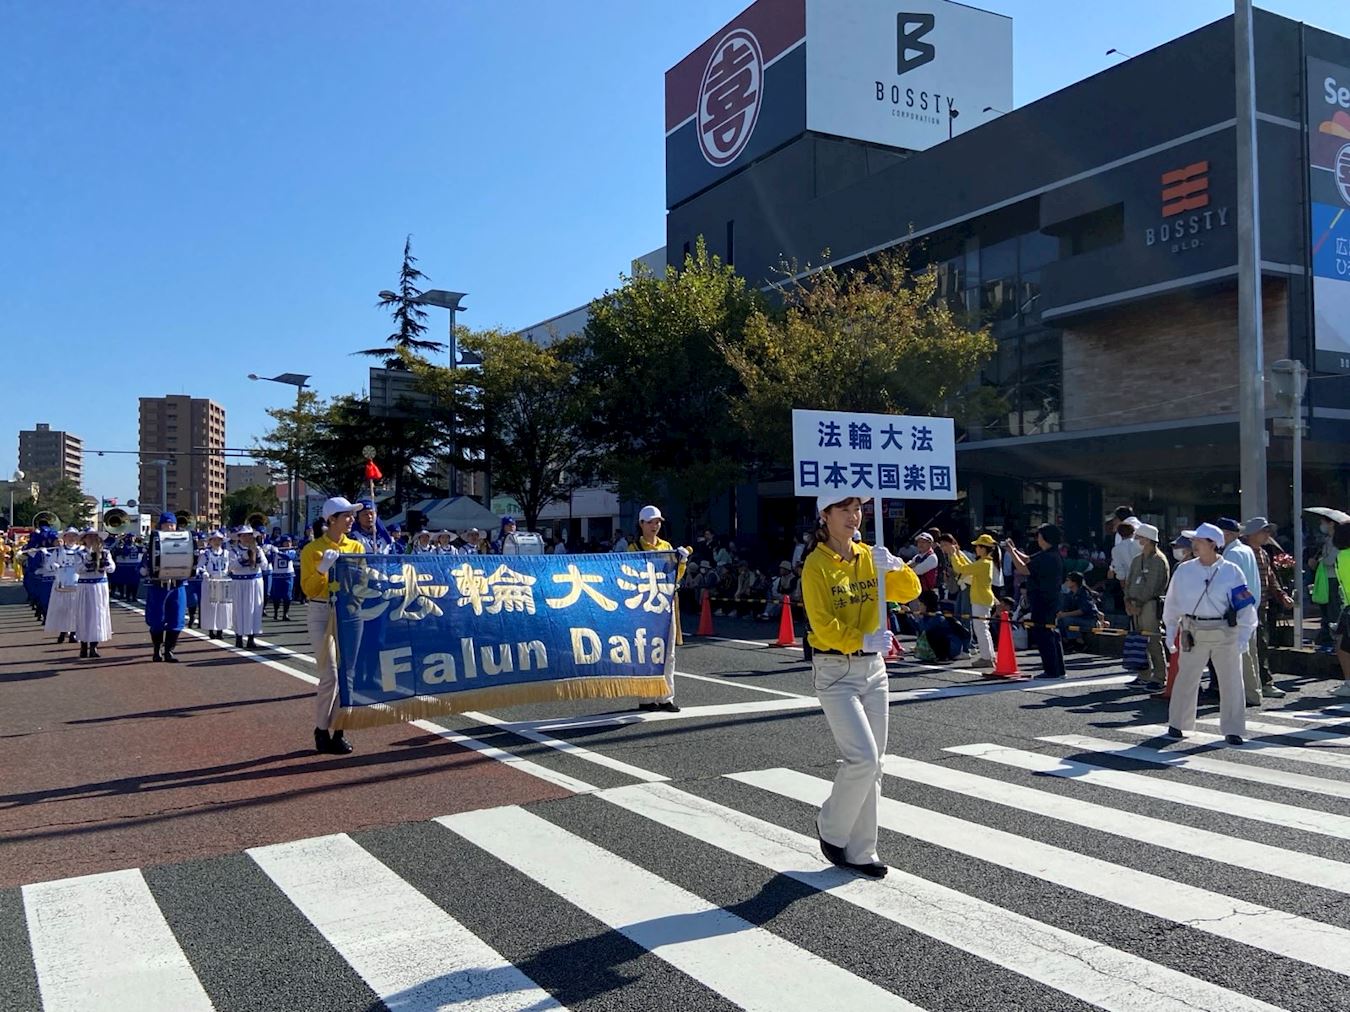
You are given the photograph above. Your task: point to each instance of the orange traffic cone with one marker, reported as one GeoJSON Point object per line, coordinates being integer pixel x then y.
{"type": "Point", "coordinates": [1173, 665]}
{"type": "Point", "coordinates": [1005, 664]}
{"type": "Point", "coordinates": [787, 635]}
{"type": "Point", "coordinates": [705, 626]}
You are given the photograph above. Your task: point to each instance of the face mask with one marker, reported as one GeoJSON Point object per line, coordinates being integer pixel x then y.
{"type": "Point", "coordinates": [1179, 554]}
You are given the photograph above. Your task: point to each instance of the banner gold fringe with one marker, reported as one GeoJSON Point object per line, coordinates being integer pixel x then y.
{"type": "Point", "coordinates": [352, 718]}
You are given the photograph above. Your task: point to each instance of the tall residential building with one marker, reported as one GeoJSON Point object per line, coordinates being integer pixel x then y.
{"type": "Point", "coordinates": [239, 476]}
{"type": "Point", "coordinates": [186, 434]}
{"type": "Point", "coordinates": [46, 455]}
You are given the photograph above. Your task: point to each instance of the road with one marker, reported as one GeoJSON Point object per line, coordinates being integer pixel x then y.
{"type": "Point", "coordinates": [169, 841]}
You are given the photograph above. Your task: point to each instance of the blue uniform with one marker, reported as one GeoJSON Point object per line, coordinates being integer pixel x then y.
{"type": "Point", "coordinates": [284, 561]}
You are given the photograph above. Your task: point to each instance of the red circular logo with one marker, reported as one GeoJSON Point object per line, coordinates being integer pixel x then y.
{"type": "Point", "coordinates": [1342, 172]}
{"type": "Point", "coordinates": [730, 96]}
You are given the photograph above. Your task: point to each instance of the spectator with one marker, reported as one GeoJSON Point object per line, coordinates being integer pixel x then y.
{"type": "Point", "coordinates": [1124, 553]}
{"type": "Point", "coordinates": [1257, 534]}
{"type": "Point", "coordinates": [979, 574]}
{"type": "Point", "coordinates": [1340, 540]}
{"type": "Point", "coordinates": [944, 642]}
{"type": "Point", "coordinates": [1245, 559]}
{"type": "Point", "coordinates": [745, 592]}
{"type": "Point", "coordinates": [1331, 608]}
{"type": "Point", "coordinates": [800, 549]}
{"type": "Point", "coordinates": [1078, 613]}
{"type": "Point", "coordinates": [1044, 570]}
{"type": "Point", "coordinates": [783, 585]}
{"type": "Point", "coordinates": [925, 562]}
{"type": "Point", "coordinates": [1145, 585]}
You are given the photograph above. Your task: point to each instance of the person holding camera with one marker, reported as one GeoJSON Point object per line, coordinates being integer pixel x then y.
{"type": "Point", "coordinates": [1210, 604]}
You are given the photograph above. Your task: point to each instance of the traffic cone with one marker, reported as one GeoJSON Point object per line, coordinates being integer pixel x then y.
{"type": "Point", "coordinates": [787, 635]}
{"type": "Point", "coordinates": [1005, 664]}
{"type": "Point", "coordinates": [1173, 665]}
{"type": "Point", "coordinates": [705, 626]}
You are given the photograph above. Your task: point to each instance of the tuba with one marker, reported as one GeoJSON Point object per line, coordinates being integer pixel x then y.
{"type": "Point", "coordinates": [118, 521]}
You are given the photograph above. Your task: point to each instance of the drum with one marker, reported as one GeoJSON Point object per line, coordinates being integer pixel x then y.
{"type": "Point", "coordinates": [218, 590]}
{"type": "Point", "coordinates": [171, 555]}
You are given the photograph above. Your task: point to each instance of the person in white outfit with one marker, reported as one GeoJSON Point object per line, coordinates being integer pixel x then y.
{"type": "Point", "coordinates": [1209, 603]}
{"type": "Point", "coordinates": [63, 566]}
{"type": "Point", "coordinates": [248, 563]}
{"type": "Point", "coordinates": [213, 565]}
{"type": "Point", "coordinates": [93, 614]}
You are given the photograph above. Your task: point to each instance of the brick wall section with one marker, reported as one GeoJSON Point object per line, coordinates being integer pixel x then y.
{"type": "Point", "coordinates": [1119, 366]}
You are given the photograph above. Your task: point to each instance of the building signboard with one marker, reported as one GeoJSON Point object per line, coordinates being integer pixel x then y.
{"type": "Point", "coordinates": [1328, 112]}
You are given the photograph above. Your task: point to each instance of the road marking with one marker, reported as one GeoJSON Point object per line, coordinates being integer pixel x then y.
{"type": "Point", "coordinates": [1208, 764]}
{"type": "Point", "coordinates": [1326, 713]}
{"type": "Point", "coordinates": [737, 685]}
{"type": "Point", "coordinates": [1277, 931]}
{"type": "Point", "coordinates": [750, 966]}
{"type": "Point", "coordinates": [1309, 734]}
{"type": "Point", "coordinates": [637, 772]}
{"type": "Point", "coordinates": [1094, 973]}
{"type": "Point", "coordinates": [1162, 789]}
{"type": "Point", "coordinates": [1257, 746]}
{"type": "Point", "coordinates": [100, 942]}
{"type": "Point", "coordinates": [410, 951]}
{"type": "Point", "coordinates": [1293, 865]}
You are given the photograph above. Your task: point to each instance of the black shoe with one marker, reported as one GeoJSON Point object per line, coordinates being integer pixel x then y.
{"type": "Point", "coordinates": [84, 649]}
{"type": "Point", "coordinates": [668, 706]}
{"type": "Point", "coordinates": [60, 639]}
{"type": "Point", "coordinates": [251, 644]}
{"type": "Point", "coordinates": [239, 642]}
{"type": "Point", "coordinates": [157, 638]}
{"type": "Point", "coordinates": [170, 642]}
{"type": "Point", "coordinates": [872, 870]}
{"type": "Point", "coordinates": [1232, 739]}
{"type": "Point", "coordinates": [286, 615]}
{"type": "Point", "coordinates": [323, 741]}
{"type": "Point", "coordinates": [833, 854]}
{"type": "Point", "coordinates": [93, 650]}
{"type": "Point", "coordinates": [1174, 732]}
{"type": "Point", "coordinates": [649, 707]}
{"type": "Point", "coordinates": [339, 745]}
{"type": "Point", "coordinates": [1044, 675]}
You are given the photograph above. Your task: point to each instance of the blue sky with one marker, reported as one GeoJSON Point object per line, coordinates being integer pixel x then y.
{"type": "Point", "coordinates": [196, 191]}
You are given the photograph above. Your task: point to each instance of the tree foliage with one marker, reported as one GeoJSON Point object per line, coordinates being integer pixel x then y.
{"type": "Point", "coordinates": [872, 339]}
{"type": "Point", "coordinates": [242, 503]}
{"type": "Point", "coordinates": [63, 497]}
{"type": "Point", "coordinates": [409, 316]}
{"type": "Point", "coordinates": [656, 386]}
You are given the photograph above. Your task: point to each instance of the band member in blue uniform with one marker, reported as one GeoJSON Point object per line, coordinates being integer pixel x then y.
{"type": "Point", "coordinates": [165, 604]}
{"type": "Point", "coordinates": [284, 558]}
{"type": "Point", "coordinates": [93, 617]}
{"type": "Point", "coordinates": [247, 566]}
{"type": "Point", "coordinates": [369, 530]}
{"type": "Point", "coordinates": [63, 563]}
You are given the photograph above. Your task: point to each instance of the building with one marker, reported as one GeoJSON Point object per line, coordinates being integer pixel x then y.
{"type": "Point", "coordinates": [182, 464]}
{"type": "Point", "coordinates": [239, 476]}
{"type": "Point", "coordinates": [47, 456]}
{"type": "Point", "coordinates": [1094, 230]}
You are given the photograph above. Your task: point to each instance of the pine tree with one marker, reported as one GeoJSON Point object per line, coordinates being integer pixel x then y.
{"type": "Point", "coordinates": [408, 314]}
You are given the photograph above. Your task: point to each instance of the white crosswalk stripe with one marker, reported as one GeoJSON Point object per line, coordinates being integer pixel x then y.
{"type": "Point", "coordinates": [124, 940]}
{"type": "Point", "coordinates": [1258, 746]}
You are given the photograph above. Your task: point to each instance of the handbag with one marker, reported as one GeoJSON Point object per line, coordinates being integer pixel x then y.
{"type": "Point", "coordinates": [922, 651]}
{"type": "Point", "coordinates": [1134, 656]}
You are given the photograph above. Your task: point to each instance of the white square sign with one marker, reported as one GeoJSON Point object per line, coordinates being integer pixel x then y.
{"type": "Point", "coordinates": [886, 456]}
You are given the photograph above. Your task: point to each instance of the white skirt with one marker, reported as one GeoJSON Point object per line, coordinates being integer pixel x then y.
{"type": "Point", "coordinates": [61, 610]}
{"type": "Point", "coordinates": [93, 616]}
{"type": "Point", "coordinates": [216, 600]}
{"type": "Point", "coordinates": [248, 606]}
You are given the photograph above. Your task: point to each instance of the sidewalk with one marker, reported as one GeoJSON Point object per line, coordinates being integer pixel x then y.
{"type": "Point", "coordinates": [118, 762]}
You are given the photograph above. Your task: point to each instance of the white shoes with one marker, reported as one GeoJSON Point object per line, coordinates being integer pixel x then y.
{"type": "Point", "coordinates": [1341, 690]}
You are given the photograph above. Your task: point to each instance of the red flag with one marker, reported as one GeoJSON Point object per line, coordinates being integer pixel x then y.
{"type": "Point", "coordinates": [372, 471]}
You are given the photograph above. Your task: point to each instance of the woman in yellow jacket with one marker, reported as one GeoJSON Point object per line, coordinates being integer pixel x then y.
{"type": "Point", "coordinates": [980, 572]}
{"type": "Point", "coordinates": [839, 588]}
{"type": "Point", "coordinates": [649, 540]}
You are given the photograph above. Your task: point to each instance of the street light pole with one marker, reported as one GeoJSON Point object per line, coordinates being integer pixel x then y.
{"type": "Point", "coordinates": [300, 382]}
{"type": "Point", "coordinates": [15, 478]}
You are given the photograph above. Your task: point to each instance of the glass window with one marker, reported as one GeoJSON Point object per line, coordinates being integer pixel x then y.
{"type": "Point", "coordinates": [1040, 393]}
{"type": "Point", "coordinates": [999, 260]}
{"type": "Point", "coordinates": [1036, 249]}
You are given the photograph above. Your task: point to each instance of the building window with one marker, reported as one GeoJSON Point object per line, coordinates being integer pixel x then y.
{"type": "Point", "coordinates": [1090, 232]}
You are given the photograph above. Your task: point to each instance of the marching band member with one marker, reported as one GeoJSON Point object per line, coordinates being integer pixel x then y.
{"type": "Point", "coordinates": [40, 546]}
{"type": "Point", "coordinates": [247, 565]}
{"type": "Point", "coordinates": [63, 563]}
{"type": "Point", "coordinates": [165, 604]}
{"type": "Point", "coordinates": [472, 543]}
{"type": "Point", "coordinates": [369, 530]}
{"type": "Point", "coordinates": [193, 586]}
{"type": "Point", "coordinates": [649, 540]}
{"type": "Point", "coordinates": [505, 542]}
{"type": "Point", "coordinates": [213, 565]}
{"type": "Point", "coordinates": [445, 543]}
{"type": "Point", "coordinates": [421, 544]}
{"type": "Point", "coordinates": [316, 560]}
{"type": "Point", "coordinates": [282, 558]}
{"type": "Point", "coordinates": [93, 613]}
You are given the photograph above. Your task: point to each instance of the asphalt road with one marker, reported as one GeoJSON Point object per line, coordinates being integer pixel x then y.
{"type": "Point", "coordinates": [167, 842]}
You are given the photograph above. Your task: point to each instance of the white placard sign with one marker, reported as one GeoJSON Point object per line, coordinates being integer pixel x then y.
{"type": "Point", "coordinates": [885, 456]}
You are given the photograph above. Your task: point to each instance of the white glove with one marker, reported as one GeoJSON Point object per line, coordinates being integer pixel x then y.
{"type": "Point", "coordinates": [884, 561]}
{"type": "Point", "coordinates": [326, 560]}
{"type": "Point", "coordinates": [683, 553]}
{"type": "Point", "coordinates": [878, 642]}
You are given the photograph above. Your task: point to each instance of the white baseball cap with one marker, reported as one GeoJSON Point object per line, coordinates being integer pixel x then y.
{"type": "Point", "coordinates": [336, 505]}
{"type": "Point", "coordinates": [649, 513]}
{"type": "Point", "coordinates": [824, 502]}
{"type": "Point", "coordinates": [1209, 532]}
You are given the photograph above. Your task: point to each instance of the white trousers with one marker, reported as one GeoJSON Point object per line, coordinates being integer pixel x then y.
{"type": "Point", "coordinates": [854, 694]}
{"type": "Point", "coordinates": [1217, 643]}
{"type": "Point", "coordinates": [983, 639]}
{"type": "Point", "coordinates": [325, 661]}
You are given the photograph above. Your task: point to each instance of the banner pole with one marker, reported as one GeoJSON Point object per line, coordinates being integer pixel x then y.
{"type": "Point", "coordinates": [881, 578]}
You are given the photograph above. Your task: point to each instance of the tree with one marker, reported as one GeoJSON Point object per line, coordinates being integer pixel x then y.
{"type": "Point", "coordinates": [409, 316]}
{"type": "Point", "coordinates": [239, 505]}
{"type": "Point", "coordinates": [656, 386]}
{"type": "Point", "coordinates": [63, 498]}
{"type": "Point", "coordinates": [518, 410]}
{"type": "Point", "coordinates": [870, 339]}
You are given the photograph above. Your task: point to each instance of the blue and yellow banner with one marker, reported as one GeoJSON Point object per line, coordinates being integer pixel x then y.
{"type": "Point", "coordinates": [422, 635]}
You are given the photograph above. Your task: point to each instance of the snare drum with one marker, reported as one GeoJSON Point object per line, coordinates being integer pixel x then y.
{"type": "Point", "coordinates": [171, 555]}
{"type": "Point", "coordinates": [218, 590]}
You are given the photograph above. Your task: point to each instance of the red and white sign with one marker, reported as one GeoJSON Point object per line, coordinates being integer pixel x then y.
{"type": "Point", "coordinates": [730, 96]}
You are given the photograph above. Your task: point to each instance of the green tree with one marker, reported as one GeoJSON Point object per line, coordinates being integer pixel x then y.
{"type": "Point", "coordinates": [656, 386]}
{"type": "Point", "coordinates": [64, 498]}
{"type": "Point", "coordinates": [871, 339]}
{"type": "Point", "coordinates": [239, 505]}
{"type": "Point", "coordinates": [409, 316]}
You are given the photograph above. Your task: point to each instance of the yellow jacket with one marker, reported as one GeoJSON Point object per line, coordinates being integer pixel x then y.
{"type": "Point", "coordinates": [316, 585]}
{"type": "Point", "coordinates": [661, 545]}
{"type": "Point", "coordinates": [841, 596]}
{"type": "Point", "coordinates": [981, 573]}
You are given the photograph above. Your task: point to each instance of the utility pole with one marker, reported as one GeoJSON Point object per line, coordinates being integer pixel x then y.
{"type": "Point", "coordinates": [1250, 357]}
{"type": "Point", "coordinates": [1289, 379]}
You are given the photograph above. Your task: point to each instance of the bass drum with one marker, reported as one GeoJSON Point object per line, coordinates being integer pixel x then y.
{"type": "Point", "coordinates": [171, 555]}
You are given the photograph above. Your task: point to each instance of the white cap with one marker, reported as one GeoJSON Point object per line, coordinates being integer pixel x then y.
{"type": "Point", "coordinates": [70, 530]}
{"type": "Point", "coordinates": [1147, 531]}
{"type": "Point", "coordinates": [824, 502]}
{"type": "Point", "coordinates": [336, 505]}
{"type": "Point", "coordinates": [1134, 522]}
{"type": "Point", "coordinates": [1209, 532]}
{"type": "Point", "coordinates": [246, 529]}
{"type": "Point", "coordinates": [649, 513]}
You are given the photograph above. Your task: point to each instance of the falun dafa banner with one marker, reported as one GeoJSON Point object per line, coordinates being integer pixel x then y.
{"type": "Point", "coordinates": [882, 456]}
{"type": "Point", "coordinates": [425, 635]}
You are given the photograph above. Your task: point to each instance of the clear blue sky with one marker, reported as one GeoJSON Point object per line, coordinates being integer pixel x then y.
{"type": "Point", "coordinates": [199, 190]}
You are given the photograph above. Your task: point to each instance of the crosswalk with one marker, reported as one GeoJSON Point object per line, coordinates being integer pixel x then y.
{"type": "Point", "coordinates": [1118, 872]}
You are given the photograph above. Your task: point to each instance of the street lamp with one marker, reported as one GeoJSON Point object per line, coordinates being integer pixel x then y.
{"type": "Point", "coordinates": [299, 381]}
{"type": "Point", "coordinates": [442, 299]}
{"type": "Point", "coordinates": [14, 479]}
{"type": "Point", "coordinates": [990, 108]}
{"type": "Point", "coordinates": [952, 113]}
{"type": "Point", "coordinates": [1119, 52]}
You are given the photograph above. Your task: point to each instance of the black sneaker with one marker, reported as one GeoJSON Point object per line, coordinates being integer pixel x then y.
{"type": "Point", "coordinates": [668, 706]}
{"type": "Point", "coordinates": [1232, 739]}
{"type": "Point", "coordinates": [338, 744]}
{"type": "Point", "coordinates": [833, 854]}
{"type": "Point", "coordinates": [872, 870]}
{"type": "Point", "coordinates": [93, 650]}
{"type": "Point", "coordinates": [239, 642]}
{"type": "Point", "coordinates": [1174, 732]}
{"type": "Point", "coordinates": [649, 707]}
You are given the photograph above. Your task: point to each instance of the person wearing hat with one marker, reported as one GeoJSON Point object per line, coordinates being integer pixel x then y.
{"type": "Point", "coordinates": [165, 604]}
{"type": "Point", "coordinates": [1145, 585]}
{"type": "Point", "coordinates": [445, 543]}
{"type": "Point", "coordinates": [421, 544]}
{"type": "Point", "coordinates": [841, 583]}
{"type": "Point", "coordinates": [980, 572]}
{"type": "Point", "coordinates": [505, 542]}
{"type": "Point", "coordinates": [649, 540]}
{"type": "Point", "coordinates": [282, 557]}
{"type": "Point", "coordinates": [925, 563]}
{"type": "Point", "coordinates": [784, 585]}
{"type": "Point", "coordinates": [93, 613]}
{"type": "Point", "coordinates": [316, 562]}
{"type": "Point", "coordinates": [1124, 552]}
{"type": "Point", "coordinates": [1210, 605]}
{"type": "Point", "coordinates": [247, 565]}
{"type": "Point", "coordinates": [370, 531]}
{"type": "Point", "coordinates": [213, 566]}
{"type": "Point", "coordinates": [63, 564]}
{"type": "Point", "coordinates": [1256, 534]}
{"type": "Point", "coordinates": [1245, 559]}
